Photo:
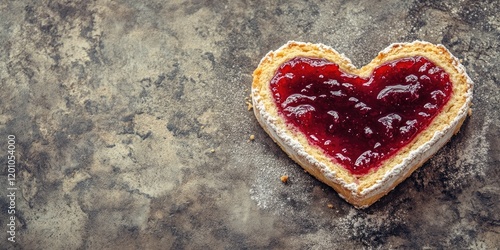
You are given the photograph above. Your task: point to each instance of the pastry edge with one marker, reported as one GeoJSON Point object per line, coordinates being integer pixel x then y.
{"type": "Point", "coordinates": [350, 191]}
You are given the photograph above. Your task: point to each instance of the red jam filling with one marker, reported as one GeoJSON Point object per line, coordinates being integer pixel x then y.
{"type": "Point", "coordinates": [360, 122]}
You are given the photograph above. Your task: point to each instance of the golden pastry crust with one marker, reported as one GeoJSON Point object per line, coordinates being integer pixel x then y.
{"type": "Point", "coordinates": [362, 190]}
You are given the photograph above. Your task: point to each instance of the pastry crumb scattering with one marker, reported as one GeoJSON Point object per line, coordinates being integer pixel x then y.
{"type": "Point", "coordinates": [248, 102]}
{"type": "Point", "coordinates": [284, 179]}
{"type": "Point", "coordinates": [330, 205]}
{"type": "Point", "coordinates": [252, 137]}
{"type": "Point", "coordinates": [249, 106]}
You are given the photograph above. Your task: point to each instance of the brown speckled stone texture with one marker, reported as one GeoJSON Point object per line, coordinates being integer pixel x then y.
{"type": "Point", "coordinates": [132, 130]}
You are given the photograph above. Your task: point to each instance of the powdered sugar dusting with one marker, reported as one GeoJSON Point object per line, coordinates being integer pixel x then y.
{"type": "Point", "coordinates": [263, 191]}
{"type": "Point", "coordinates": [465, 166]}
{"type": "Point", "coordinates": [479, 146]}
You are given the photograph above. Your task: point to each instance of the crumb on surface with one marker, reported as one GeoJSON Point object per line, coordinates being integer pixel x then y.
{"type": "Point", "coordinates": [248, 102]}
{"type": "Point", "coordinates": [284, 178]}
{"type": "Point", "coordinates": [252, 137]}
{"type": "Point", "coordinates": [469, 112]}
{"type": "Point", "coordinates": [330, 205]}
{"type": "Point", "coordinates": [249, 106]}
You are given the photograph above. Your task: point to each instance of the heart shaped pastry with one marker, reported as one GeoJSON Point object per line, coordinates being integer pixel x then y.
{"type": "Point", "coordinates": [361, 131]}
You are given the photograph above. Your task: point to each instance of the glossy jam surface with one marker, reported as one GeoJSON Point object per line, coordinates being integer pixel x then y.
{"type": "Point", "coordinates": [359, 122]}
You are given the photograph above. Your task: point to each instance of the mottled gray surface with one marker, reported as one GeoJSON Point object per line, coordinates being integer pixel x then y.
{"type": "Point", "coordinates": [133, 132]}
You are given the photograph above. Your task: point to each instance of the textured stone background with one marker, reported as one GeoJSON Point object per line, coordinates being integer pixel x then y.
{"type": "Point", "coordinates": [132, 128]}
